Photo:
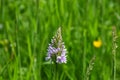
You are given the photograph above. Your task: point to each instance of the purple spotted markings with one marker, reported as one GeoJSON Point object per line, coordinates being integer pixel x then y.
{"type": "Point", "coordinates": [56, 49]}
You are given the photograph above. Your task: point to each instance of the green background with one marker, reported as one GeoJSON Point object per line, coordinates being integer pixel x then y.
{"type": "Point", "coordinates": [27, 26]}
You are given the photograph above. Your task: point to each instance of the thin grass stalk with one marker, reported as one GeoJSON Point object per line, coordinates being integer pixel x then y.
{"type": "Point", "coordinates": [35, 42]}
{"type": "Point", "coordinates": [51, 67]}
{"type": "Point", "coordinates": [114, 46]}
{"type": "Point", "coordinates": [114, 67]}
{"type": "Point", "coordinates": [2, 9]}
{"type": "Point", "coordinates": [84, 56]}
{"type": "Point", "coordinates": [17, 41]}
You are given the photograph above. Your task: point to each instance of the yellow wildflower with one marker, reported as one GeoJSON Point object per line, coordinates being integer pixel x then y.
{"type": "Point", "coordinates": [97, 43]}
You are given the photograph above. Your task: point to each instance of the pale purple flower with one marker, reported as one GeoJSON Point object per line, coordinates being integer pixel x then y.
{"type": "Point", "coordinates": [56, 49]}
{"type": "Point", "coordinates": [61, 59]}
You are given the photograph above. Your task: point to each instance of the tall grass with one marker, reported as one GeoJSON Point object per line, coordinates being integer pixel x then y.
{"type": "Point", "coordinates": [27, 27]}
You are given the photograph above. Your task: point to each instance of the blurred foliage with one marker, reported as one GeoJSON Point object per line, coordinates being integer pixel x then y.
{"type": "Point", "coordinates": [26, 28]}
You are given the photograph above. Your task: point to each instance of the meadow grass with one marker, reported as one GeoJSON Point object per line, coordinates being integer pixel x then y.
{"type": "Point", "coordinates": [26, 28]}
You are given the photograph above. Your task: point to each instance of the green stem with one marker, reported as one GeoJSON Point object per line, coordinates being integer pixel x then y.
{"type": "Point", "coordinates": [114, 52]}
{"type": "Point", "coordinates": [84, 56]}
{"type": "Point", "coordinates": [55, 71]}
{"type": "Point", "coordinates": [51, 70]}
{"type": "Point", "coordinates": [17, 40]}
{"type": "Point", "coordinates": [114, 66]}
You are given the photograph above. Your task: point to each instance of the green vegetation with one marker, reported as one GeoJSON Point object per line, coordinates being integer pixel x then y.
{"type": "Point", "coordinates": [27, 26]}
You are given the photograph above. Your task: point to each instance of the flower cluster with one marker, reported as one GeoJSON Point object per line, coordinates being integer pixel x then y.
{"type": "Point", "coordinates": [56, 49]}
